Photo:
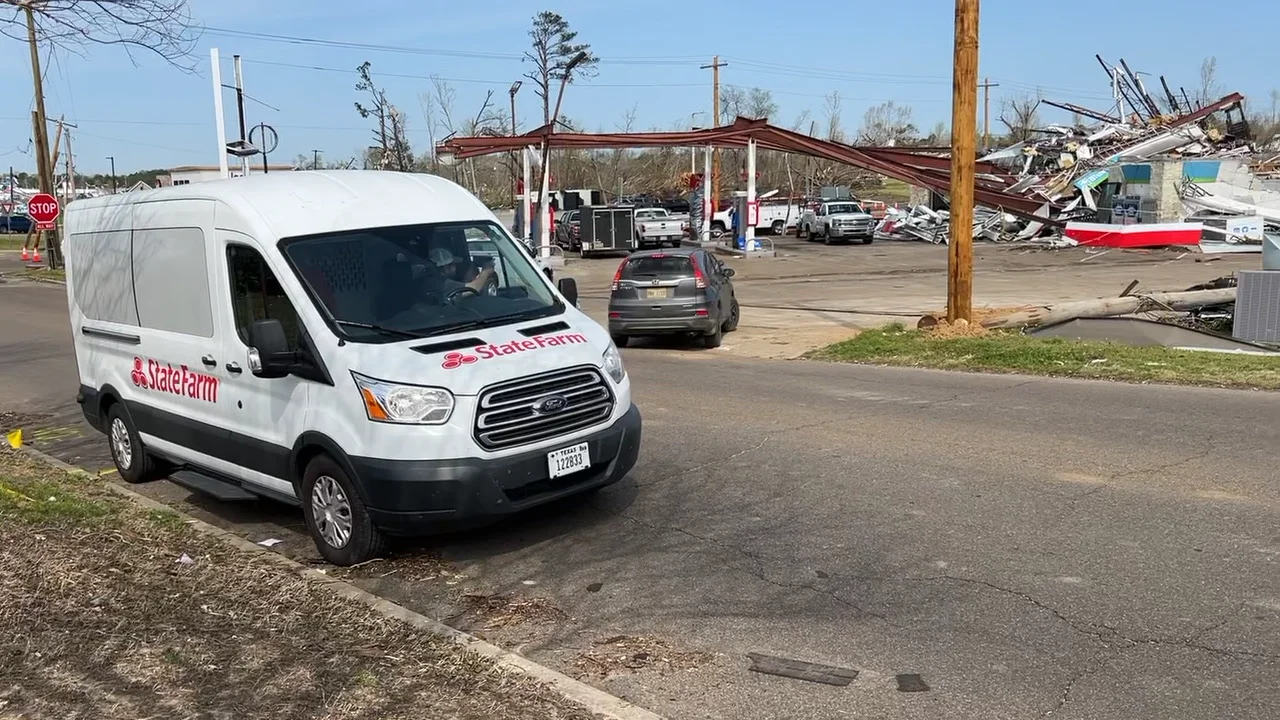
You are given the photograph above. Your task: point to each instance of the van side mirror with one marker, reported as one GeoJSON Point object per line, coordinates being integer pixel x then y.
{"type": "Point", "coordinates": [269, 354]}
{"type": "Point", "coordinates": [569, 289]}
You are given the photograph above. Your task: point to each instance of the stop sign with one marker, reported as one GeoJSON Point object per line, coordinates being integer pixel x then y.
{"type": "Point", "coordinates": [43, 208]}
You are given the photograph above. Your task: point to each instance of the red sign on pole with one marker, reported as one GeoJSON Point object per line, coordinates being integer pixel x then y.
{"type": "Point", "coordinates": [44, 209]}
{"type": "Point", "coordinates": [6, 208]}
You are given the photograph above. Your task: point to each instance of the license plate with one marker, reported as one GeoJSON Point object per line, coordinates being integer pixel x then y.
{"type": "Point", "coordinates": [656, 292]}
{"type": "Point", "coordinates": [568, 460]}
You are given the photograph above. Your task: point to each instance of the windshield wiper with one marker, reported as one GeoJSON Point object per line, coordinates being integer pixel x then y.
{"type": "Point", "coordinates": [378, 328]}
{"type": "Point", "coordinates": [492, 321]}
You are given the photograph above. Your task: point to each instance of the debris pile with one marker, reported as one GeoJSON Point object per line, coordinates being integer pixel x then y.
{"type": "Point", "coordinates": [1062, 168]}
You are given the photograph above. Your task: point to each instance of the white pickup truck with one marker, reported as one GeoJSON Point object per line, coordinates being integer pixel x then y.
{"type": "Point", "coordinates": [657, 227]}
{"type": "Point", "coordinates": [837, 221]}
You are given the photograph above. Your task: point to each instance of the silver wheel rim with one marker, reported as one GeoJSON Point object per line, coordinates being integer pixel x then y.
{"type": "Point", "coordinates": [332, 511]}
{"type": "Point", "coordinates": [121, 445]}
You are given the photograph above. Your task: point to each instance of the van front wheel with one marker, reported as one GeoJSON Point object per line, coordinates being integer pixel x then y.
{"type": "Point", "coordinates": [336, 516]}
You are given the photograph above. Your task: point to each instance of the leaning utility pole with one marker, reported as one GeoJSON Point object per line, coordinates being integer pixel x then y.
{"type": "Point", "coordinates": [43, 167]}
{"type": "Point", "coordinates": [986, 112]}
{"type": "Point", "coordinates": [964, 112]}
{"type": "Point", "coordinates": [715, 115]}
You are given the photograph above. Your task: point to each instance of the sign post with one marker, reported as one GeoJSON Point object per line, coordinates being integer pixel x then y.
{"type": "Point", "coordinates": [44, 209]}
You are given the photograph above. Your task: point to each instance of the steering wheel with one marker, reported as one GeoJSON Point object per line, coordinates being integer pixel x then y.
{"type": "Point", "coordinates": [457, 294]}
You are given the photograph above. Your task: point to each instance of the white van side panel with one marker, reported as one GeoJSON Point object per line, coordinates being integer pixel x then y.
{"type": "Point", "coordinates": [164, 376]}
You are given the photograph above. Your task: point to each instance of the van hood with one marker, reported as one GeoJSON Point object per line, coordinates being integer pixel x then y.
{"type": "Point", "coordinates": [466, 362]}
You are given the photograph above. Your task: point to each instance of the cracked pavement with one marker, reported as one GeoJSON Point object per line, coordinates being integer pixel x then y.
{"type": "Point", "coordinates": [1031, 547]}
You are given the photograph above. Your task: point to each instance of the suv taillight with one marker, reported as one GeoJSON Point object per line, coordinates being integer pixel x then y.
{"type": "Point", "coordinates": [699, 280]}
{"type": "Point", "coordinates": [617, 276]}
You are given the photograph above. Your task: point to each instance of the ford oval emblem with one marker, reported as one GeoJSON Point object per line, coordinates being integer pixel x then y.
{"type": "Point", "coordinates": [551, 404]}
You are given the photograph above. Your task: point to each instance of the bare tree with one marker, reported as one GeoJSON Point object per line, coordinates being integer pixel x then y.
{"type": "Point", "coordinates": [1209, 89]}
{"type": "Point", "coordinates": [161, 27]}
{"type": "Point", "coordinates": [888, 124]}
{"type": "Point", "coordinates": [1021, 114]}
{"type": "Point", "coordinates": [835, 130]}
{"type": "Point", "coordinates": [551, 50]}
{"type": "Point", "coordinates": [392, 142]}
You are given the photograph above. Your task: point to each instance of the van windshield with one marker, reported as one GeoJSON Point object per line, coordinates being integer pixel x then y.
{"type": "Point", "coordinates": [389, 283]}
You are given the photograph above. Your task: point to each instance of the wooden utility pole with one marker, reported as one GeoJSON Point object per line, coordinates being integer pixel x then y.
{"type": "Point", "coordinates": [964, 116]}
{"type": "Point", "coordinates": [715, 118]}
{"type": "Point", "coordinates": [986, 112]}
{"type": "Point", "coordinates": [44, 167]}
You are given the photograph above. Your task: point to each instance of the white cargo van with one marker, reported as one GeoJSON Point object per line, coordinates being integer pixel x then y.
{"type": "Point", "coordinates": [328, 339]}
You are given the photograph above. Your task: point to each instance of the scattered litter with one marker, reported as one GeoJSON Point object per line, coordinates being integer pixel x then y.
{"type": "Point", "coordinates": [911, 683]}
{"type": "Point", "coordinates": [270, 542]}
{"type": "Point", "coordinates": [801, 670]}
{"type": "Point", "coordinates": [529, 582]}
{"type": "Point", "coordinates": [185, 560]}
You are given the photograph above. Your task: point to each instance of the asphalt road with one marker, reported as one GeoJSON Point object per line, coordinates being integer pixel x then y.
{"type": "Point", "coordinates": [1030, 547]}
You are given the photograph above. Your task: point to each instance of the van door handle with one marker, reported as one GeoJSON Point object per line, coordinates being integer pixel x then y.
{"type": "Point", "coordinates": [233, 368]}
{"type": "Point", "coordinates": [208, 360]}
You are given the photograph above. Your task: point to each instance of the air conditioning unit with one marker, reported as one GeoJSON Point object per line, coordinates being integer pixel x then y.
{"type": "Point", "coordinates": [1257, 312]}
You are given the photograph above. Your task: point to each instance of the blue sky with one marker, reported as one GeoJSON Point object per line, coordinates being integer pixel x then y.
{"type": "Point", "coordinates": [153, 115]}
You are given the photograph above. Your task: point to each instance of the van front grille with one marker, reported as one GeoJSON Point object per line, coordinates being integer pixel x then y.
{"type": "Point", "coordinates": [539, 407]}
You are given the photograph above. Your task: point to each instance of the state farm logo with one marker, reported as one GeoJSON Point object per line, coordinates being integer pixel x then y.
{"type": "Point", "coordinates": [178, 380]}
{"type": "Point", "coordinates": [455, 360]}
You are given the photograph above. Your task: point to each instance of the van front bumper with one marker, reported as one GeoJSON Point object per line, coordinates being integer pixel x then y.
{"type": "Point", "coordinates": [412, 497]}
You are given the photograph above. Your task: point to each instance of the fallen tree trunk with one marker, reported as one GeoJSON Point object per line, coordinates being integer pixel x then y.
{"type": "Point", "coordinates": [1110, 307]}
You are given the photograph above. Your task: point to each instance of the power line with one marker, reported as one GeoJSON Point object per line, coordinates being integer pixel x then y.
{"type": "Point", "coordinates": [375, 47]}
{"type": "Point", "coordinates": [756, 66]}
{"type": "Point", "coordinates": [504, 83]}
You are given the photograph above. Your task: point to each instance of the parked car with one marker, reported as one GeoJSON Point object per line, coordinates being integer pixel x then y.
{"type": "Point", "coordinates": [15, 224]}
{"type": "Point", "coordinates": [686, 291]}
{"type": "Point", "coordinates": [836, 221]}
{"type": "Point", "coordinates": [235, 341]}
{"type": "Point", "coordinates": [657, 227]}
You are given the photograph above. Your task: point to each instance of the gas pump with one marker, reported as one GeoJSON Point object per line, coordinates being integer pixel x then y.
{"type": "Point", "coordinates": [745, 214]}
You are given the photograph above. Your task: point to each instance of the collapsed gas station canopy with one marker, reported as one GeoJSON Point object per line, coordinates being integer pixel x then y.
{"type": "Point", "coordinates": [928, 168]}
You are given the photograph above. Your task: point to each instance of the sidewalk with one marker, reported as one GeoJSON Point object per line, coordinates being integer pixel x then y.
{"type": "Point", "coordinates": [119, 612]}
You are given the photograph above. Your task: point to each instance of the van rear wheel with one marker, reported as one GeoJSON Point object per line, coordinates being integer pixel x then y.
{"type": "Point", "coordinates": [336, 516]}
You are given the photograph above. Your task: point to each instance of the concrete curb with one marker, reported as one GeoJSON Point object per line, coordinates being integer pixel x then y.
{"type": "Point", "coordinates": [594, 700]}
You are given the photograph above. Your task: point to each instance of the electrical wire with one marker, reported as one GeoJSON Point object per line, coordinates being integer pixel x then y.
{"type": "Point", "coordinates": [503, 83]}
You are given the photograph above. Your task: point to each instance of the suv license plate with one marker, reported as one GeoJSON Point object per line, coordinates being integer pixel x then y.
{"type": "Point", "coordinates": [568, 460]}
{"type": "Point", "coordinates": [655, 292]}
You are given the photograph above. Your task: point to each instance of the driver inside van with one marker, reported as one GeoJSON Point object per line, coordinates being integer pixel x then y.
{"type": "Point", "coordinates": [443, 272]}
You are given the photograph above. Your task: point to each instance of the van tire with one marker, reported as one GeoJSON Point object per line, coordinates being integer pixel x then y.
{"type": "Point", "coordinates": [134, 464]}
{"type": "Point", "coordinates": [326, 484]}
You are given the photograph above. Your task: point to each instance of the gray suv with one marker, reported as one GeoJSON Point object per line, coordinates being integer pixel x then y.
{"type": "Point", "coordinates": [670, 292]}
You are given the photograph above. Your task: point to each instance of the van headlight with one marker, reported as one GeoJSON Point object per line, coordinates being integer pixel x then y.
{"type": "Point", "coordinates": [405, 404]}
{"type": "Point", "coordinates": [612, 363]}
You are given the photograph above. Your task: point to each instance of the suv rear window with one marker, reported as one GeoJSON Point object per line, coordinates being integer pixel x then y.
{"type": "Point", "coordinates": [659, 266]}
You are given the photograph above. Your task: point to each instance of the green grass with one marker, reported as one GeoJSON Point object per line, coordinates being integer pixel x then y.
{"type": "Point", "coordinates": [58, 499]}
{"type": "Point", "coordinates": [10, 241]}
{"type": "Point", "coordinates": [45, 274]}
{"type": "Point", "coordinates": [167, 519]}
{"type": "Point", "coordinates": [1011, 352]}
{"type": "Point", "coordinates": [891, 191]}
